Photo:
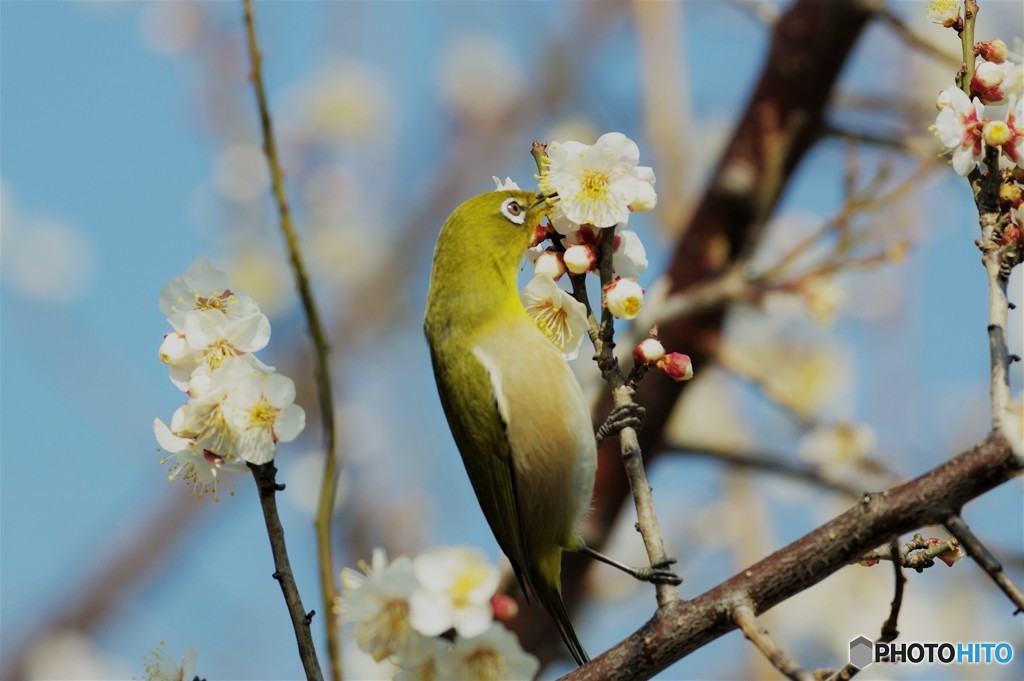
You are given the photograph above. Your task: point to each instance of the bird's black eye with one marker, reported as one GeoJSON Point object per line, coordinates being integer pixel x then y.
{"type": "Point", "coordinates": [514, 211]}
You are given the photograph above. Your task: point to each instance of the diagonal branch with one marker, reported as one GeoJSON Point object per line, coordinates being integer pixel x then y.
{"type": "Point", "coordinates": [679, 628]}
{"type": "Point", "coordinates": [744, 617]}
{"type": "Point", "coordinates": [984, 558]}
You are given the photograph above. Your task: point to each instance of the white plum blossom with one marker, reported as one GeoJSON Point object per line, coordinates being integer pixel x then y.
{"type": "Point", "coordinates": [376, 604]}
{"type": "Point", "coordinates": [561, 318]}
{"type": "Point", "coordinates": [204, 287]}
{"type": "Point", "coordinates": [959, 127]}
{"type": "Point", "coordinates": [629, 258]}
{"type": "Point", "coordinates": [495, 655]}
{"type": "Point", "coordinates": [596, 184]}
{"type": "Point", "coordinates": [624, 298]}
{"type": "Point", "coordinates": [837, 448]}
{"type": "Point", "coordinates": [456, 585]}
{"type": "Point", "coordinates": [200, 469]}
{"type": "Point", "coordinates": [943, 12]}
{"type": "Point", "coordinates": [238, 407]}
{"type": "Point", "coordinates": [261, 411]}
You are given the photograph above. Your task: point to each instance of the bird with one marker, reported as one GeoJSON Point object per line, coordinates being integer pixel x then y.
{"type": "Point", "coordinates": [513, 404]}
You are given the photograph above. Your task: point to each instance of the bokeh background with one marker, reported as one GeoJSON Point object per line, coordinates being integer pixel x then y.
{"type": "Point", "coordinates": [130, 147]}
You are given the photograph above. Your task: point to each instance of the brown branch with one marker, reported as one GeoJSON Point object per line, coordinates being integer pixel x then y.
{"type": "Point", "coordinates": [329, 480]}
{"type": "Point", "coordinates": [984, 558]}
{"type": "Point", "coordinates": [266, 482]}
{"type": "Point", "coordinates": [681, 627]}
{"type": "Point", "coordinates": [743, 616]}
{"type": "Point", "coordinates": [917, 554]}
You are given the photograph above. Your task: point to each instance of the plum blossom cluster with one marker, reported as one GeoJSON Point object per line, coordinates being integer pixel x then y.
{"type": "Point", "coordinates": [969, 125]}
{"type": "Point", "coordinates": [238, 408]}
{"type": "Point", "coordinates": [592, 191]}
{"type": "Point", "coordinates": [434, 616]}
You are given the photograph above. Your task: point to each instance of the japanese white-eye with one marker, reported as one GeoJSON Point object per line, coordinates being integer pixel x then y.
{"type": "Point", "coordinates": [514, 406]}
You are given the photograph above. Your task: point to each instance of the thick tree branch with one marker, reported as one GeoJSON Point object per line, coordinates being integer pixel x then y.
{"type": "Point", "coordinates": [680, 628]}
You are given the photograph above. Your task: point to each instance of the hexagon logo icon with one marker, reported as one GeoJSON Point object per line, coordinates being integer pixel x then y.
{"type": "Point", "coordinates": [862, 652]}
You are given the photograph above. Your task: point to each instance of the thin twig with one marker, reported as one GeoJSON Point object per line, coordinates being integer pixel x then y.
{"type": "Point", "coordinates": [266, 482]}
{"type": "Point", "coordinates": [917, 554]}
{"type": "Point", "coordinates": [984, 558]}
{"type": "Point", "coordinates": [744, 617]}
{"type": "Point", "coordinates": [889, 627]}
{"type": "Point", "coordinates": [329, 481]}
{"type": "Point", "coordinates": [632, 458]}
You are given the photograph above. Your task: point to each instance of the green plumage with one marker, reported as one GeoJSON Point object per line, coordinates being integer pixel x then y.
{"type": "Point", "coordinates": [514, 406]}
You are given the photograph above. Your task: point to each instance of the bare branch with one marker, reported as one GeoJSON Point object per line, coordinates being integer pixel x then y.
{"type": "Point", "coordinates": [266, 482]}
{"type": "Point", "coordinates": [744, 617]}
{"type": "Point", "coordinates": [984, 558]}
{"type": "Point", "coordinates": [681, 627]}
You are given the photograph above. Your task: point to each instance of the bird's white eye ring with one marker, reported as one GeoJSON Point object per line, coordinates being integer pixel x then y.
{"type": "Point", "coordinates": [514, 211]}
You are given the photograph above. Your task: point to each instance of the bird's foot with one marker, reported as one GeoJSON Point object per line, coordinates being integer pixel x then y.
{"type": "Point", "coordinates": [627, 416]}
{"type": "Point", "coordinates": [659, 573]}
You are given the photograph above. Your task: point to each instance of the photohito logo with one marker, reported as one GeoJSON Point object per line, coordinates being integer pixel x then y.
{"type": "Point", "coordinates": [864, 651]}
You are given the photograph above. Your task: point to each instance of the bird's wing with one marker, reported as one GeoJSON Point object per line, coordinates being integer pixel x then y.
{"type": "Point", "coordinates": [478, 417]}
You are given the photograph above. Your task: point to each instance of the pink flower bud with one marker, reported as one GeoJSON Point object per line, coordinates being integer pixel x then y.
{"type": "Point", "coordinates": [504, 607]}
{"type": "Point", "coordinates": [677, 365]}
{"type": "Point", "coordinates": [869, 562]}
{"type": "Point", "coordinates": [951, 556]}
{"type": "Point", "coordinates": [992, 50]}
{"type": "Point", "coordinates": [649, 351]}
{"type": "Point", "coordinates": [579, 259]}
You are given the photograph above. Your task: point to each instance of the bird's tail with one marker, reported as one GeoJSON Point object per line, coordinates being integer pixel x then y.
{"type": "Point", "coordinates": [547, 585]}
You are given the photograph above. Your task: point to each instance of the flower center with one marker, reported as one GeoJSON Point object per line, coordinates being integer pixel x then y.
{"type": "Point", "coordinates": [262, 415]}
{"type": "Point", "coordinates": [384, 633]}
{"type": "Point", "coordinates": [217, 301]}
{"type": "Point", "coordinates": [465, 582]}
{"type": "Point", "coordinates": [595, 185]}
{"type": "Point", "coordinates": [487, 664]}
{"type": "Point", "coordinates": [217, 352]}
{"type": "Point", "coordinates": [553, 322]}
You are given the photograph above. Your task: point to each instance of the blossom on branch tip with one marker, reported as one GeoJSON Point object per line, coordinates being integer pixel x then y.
{"type": "Point", "coordinates": [262, 412]}
{"type": "Point", "coordinates": [199, 469]}
{"type": "Point", "coordinates": [160, 666]}
{"type": "Point", "coordinates": [596, 184]}
{"type": "Point", "coordinates": [624, 297]}
{"type": "Point", "coordinates": [204, 287]}
{"type": "Point", "coordinates": [561, 318]}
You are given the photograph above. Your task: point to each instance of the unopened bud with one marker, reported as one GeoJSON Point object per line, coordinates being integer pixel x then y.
{"type": "Point", "coordinates": [646, 198]}
{"type": "Point", "coordinates": [951, 556]}
{"type": "Point", "coordinates": [994, 51]}
{"type": "Point", "coordinates": [868, 562]}
{"type": "Point", "coordinates": [549, 264]}
{"type": "Point", "coordinates": [579, 259]}
{"type": "Point", "coordinates": [504, 607]}
{"type": "Point", "coordinates": [987, 75]}
{"type": "Point", "coordinates": [624, 298]}
{"type": "Point", "coordinates": [649, 351]}
{"type": "Point", "coordinates": [174, 348]}
{"type": "Point", "coordinates": [996, 133]}
{"type": "Point", "coordinates": [677, 366]}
